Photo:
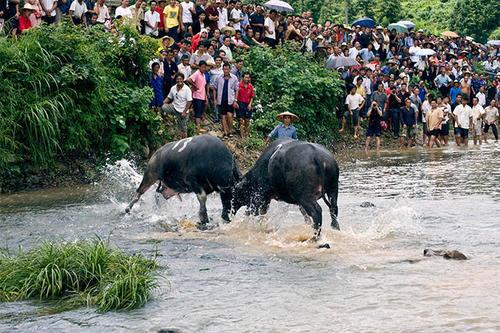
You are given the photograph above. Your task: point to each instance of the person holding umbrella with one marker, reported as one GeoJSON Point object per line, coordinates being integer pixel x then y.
{"type": "Point", "coordinates": [285, 129]}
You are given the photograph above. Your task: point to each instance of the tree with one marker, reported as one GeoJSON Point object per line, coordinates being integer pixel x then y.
{"type": "Point", "coordinates": [475, 18]}
{"type": "Point", "coordinates": [387, 12]}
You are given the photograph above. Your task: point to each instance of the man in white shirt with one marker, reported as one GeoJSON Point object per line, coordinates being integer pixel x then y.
{"type": "Point", "coordinates": [354, 51]}
{"type": "Point", "coordinates": [477, 120]}
{"type": "Point", "coordinates": [412, 50]}
{"type": "Point", "coordinates": [77, 11]}
{"type": "Point", "coordinates": [463, 120]}
{"type": "Point", "coordinates": [490, 120]}
{"type": "Point", "coordinates": [102, 11]}
{"type": "Point", "coordinates": [236, 16]}
{"type": "Point", "coordinates": [123, 10]}
{"type": "Point", "coordinates": [49, 10]}
{"type": "Point", "coordinates": [184, 66]}
{"type": "Point", "coordinates": [270, 29]}
{"type": "Point", "coordinates": [188, 10]}
{"type": "Point", "coordinates": [222, 14]}
{"type": "Point", "coordinates": [151, 20]}
{"type": "Point", "coordinates": [178, 102]}
{"type": "Point", "coordinates": [226, 48]}
{"type": "Point", "coordinates": [354, 103]}
{"type": "Point", "coordinates": [481, 96]}
{"type": "Point", "coordinates": [426, 107]}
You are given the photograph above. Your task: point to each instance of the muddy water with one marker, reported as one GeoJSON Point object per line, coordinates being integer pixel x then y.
{"type": "Point", "coordinates": [257, 274]}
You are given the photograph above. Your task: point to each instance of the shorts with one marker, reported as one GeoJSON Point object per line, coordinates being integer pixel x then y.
{"type": "Point", "coordinates": [179, 120]}
{"type": "Point", "coordinates": [270, 41]}
{"type": "Point", "coordinates": [372, 131]}
{"type": "Point", "coordinates": [478, 128]}
{"type": "Point", "coordinates": [445, 129]}
{"type": "Point", "coordinates": [487, 127]}
{"type": "Point", "coordinates": [198, 107]}
{"type": "Point", "coordinates": [410, 132]}
{"type": "Point", "coordinates": [225, 109]}
{"type": "Point", "coordinates": [355, 116]}
{"type": "Point", "coordinates": [243, 112]}
{"type": "Point", "coordinates": [462, 132]}
{"type": "Point", "coordinates": [434, 132]}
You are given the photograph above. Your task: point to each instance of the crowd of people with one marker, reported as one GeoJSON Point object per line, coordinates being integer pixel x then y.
{"type": "Point", "coordinates": [391, 86]}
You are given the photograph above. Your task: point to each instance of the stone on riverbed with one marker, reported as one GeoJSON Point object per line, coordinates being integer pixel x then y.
{"type": "Point", "coordinates": [447, 254]}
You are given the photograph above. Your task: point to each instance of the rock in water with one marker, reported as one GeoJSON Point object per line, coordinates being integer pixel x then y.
{"type": "Point", "coordinates": [324, 246]}
{"type": "Point", "coordinates": [453, 254]}
{"type": "Point", "coordinates": [367, 204]}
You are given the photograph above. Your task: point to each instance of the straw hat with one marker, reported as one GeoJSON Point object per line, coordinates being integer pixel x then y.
{"type": "Point", "coordinates": [29, 6]}
{"type": "Point", "coordinates": [171, 41]}
{"type": "Point", "coordinates": [231, 29]}
{"type": "Point", "coordinates": [286, 113]}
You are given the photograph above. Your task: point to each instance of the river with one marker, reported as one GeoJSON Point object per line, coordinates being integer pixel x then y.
{"type": "Point", "coordinates": [257, 275]}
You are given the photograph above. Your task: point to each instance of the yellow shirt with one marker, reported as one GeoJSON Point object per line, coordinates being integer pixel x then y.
{"type": "Point", "coordinates": [171, 16]}
{"type": "Point", "coordinates": [361, 90]}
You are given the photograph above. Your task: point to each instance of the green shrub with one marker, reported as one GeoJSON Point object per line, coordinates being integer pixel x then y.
{"type": "Point", "coordinates": [69, 92]}
{"type": "Point", "coordinates": [83, 272]}
{"type": "Point", "coordinates": [287, 80]}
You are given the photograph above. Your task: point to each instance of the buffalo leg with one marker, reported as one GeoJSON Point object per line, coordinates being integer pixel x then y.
{"type": "Point", "coordinates": [307, 218]}
{"type": "Point", "coordinates": [202, 198]}
{"type": "Point", "coordinates": [314, 210]}
{"type": "Point", "coordinates": [147, 181]}
{"type": "Point", "coordinates": [334, 209]}
{"type": "Point", "coordinates": [264, 208]}
{"type": "Point", "coordinates": [225, 197]}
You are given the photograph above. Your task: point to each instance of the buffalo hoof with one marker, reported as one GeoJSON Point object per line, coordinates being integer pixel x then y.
{"type": "Point", "coordinates": [335, 225]}
{"type": "Point", "coordinates": [324, 246]}
{"type": "Point", "coordinates": [204, 226]}
{"type": "Point", "coordinates": [225, 218]}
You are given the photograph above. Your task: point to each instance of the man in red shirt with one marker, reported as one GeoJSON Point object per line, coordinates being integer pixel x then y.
{"type": "Point", "coordinates": [245, 99]}
{"type": "Point", "coordinates": [161, 25]}
{"type": "Point", "coordinates": [24, 23]}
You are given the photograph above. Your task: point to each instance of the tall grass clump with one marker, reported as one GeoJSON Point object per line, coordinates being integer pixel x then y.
{"type": "Point", "coordinates": [84, 272]}
{"type": "Point", "coordinates": [68, 93]}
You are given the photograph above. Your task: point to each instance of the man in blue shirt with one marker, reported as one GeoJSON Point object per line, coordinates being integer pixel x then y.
{"type": "Point", "coordinates": [284, 129]}
{"type": "Point", "coordinates": [454, 91]}
{"type": "Point", "coordinates": [408, 116]}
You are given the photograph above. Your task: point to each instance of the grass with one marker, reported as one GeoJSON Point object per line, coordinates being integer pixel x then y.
{"type": "Point", "coordinates": [91, 273]}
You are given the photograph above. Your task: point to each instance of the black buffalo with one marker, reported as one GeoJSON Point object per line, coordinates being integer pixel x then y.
{"type": "Point", "coordinates": [200, 164]}
{"type": "Point", "coordinates": [295, 172]}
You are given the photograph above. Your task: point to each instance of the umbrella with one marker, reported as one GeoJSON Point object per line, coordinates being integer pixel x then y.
{"type": "Point", "coordinates": [365, 22]}
{"type": "Point", "coordinates": [425, 52]}
{"type": "Point", "coordinates": [450, 34]}
{"type": "Point", "coordinates": [278, 5]}
{"type": "Point", "coordinates": [398, 27]}
{"type": "Point", "coordinates": [336, 62]}
{"type": "Point", "coordinates": [494, 42]}
{"type": "Point", "coordinates": [408, 24]}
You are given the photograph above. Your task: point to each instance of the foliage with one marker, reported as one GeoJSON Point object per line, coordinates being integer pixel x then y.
{"type": "Point", "coordinates": [495, 34]}
{"type": "Point", "coordinates": [70, 92]}
{"type": "Point", "coordinates": [86, 272]}
{"type": "Point", "coordinates": [388, 12]}
{"type": "Point", "coordinates": [286, 80]}
{"type": "Point", "coordinates": [476, 18]}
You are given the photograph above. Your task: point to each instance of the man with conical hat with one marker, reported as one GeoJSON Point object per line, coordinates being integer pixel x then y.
{"type": "Point", "coordinates": [285, 129]}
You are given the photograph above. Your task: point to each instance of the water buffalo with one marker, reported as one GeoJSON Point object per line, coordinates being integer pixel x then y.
{"type": "Point", "coordinates": [295, 172]}
{"type": "Point", "coordinates": [200, 164]}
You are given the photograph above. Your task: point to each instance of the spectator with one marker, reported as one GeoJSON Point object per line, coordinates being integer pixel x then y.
{"type": "Point", "coordinates": [394, 104]}
{"type": "Point", "coordinates": [122, 11]}
{"type": "Point", "coordinates": [226, 47]}
{"type": "Point", "coordinates": [445, 125]}
{"type": "Point", "coordinates": [285, 129]}
{"type": "Point", "coordinates": [477, 120]}
{"type": "Point", "coordinates": [408, 116]}
{"type": "Point", "coordinates": [354, 103]}
{"type": "Point", "coordinates": [213, 15]}
{"type": "Point", "coordinates": [227, 96]}
{"type": "Point", "coordinates": [245, 107]}
{"type": "Point", "coordinates": [374, 128]}
{"type": "Point", "coordinates": [160, 9]}
{"type": "Point", "coordinates": [434, 118]}
{"type": "Point", "coordinates": [49, 11]}
{"type": "Point", "coordinates": [188, 10]}
{"type": "Point", "coordinates": [156, 83]}
{"type": "Point", "coordinates": [151, 20]}
{"type": "Point", "coordinates": [184, 67]}
{"type": "Point", "coordinates": [77, 12]}
{"type": "Point", "coordinates": [102, 11]}
{"type": "Point", "coordinates": [198, 83]}
{"type": "Point", "coordinates": [490, 119]}
{"type": "Point", "coordinates": [199, 24]}
{"type": "Point", "coordinates": [200, 55]}
{"type": "Point", "coordinates": [173, 20]}
{"type": "Point", "coordinates": [257, 20]}
{"type": "Point", "coordinates": [178, 103]}
{"type": "Point", "coordinates": [463, 120]}
{"type": "Point", "coordinates": [24, 19]}
{"type": "Point", "coordinates": [169, 70]}
{"type": "Point", "coordinates": [270, 29]}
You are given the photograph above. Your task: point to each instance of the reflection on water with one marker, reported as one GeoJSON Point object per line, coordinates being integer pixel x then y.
{"type": "Point", "coordinates": [257, 274]}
